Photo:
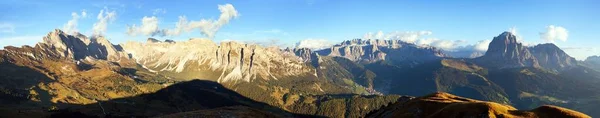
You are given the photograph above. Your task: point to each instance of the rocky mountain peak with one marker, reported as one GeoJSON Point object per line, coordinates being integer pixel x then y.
{"type": "Point", "coordinates": [152, 40]}
{"type": "Point", "coordinates": [509, 36]}
{"type": "Point", "coordinates": [169, 41]}
{"type": "Point", "coordinates": [593, 58]}
{"type": "Point", "coordinates": [594, 61]}
{"type": "Point", "coordinates": [374, 42]}
{"type": "Point", "coordinates": [79, 46]}
{"type": "Point", "coordinates": [503, 44]}
{"type": "Point", "coordinates": [373, 50]}
{"type": "Point", "coordinates": [223, 62]}
{"type": "Point", "coordinates": [304, 53]}
{"type": "Point", "coordinates": [505, 51]}
{"type": "Point", "coordinates": [551, 57]}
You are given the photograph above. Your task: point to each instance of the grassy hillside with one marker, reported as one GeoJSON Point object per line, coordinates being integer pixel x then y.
{"type": "Point", "coordinates": [448, 105]}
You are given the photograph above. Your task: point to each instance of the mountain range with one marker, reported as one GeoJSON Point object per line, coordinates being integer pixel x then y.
{"type": "Point", "coordinates": [75, 75]}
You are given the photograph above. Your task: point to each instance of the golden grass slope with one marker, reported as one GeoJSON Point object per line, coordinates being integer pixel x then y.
{"type": "Point", "coordinates": [446, 105]}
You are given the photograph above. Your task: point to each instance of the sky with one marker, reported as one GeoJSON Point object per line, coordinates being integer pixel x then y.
{"type": "Point", "coordinates": [449, 25]}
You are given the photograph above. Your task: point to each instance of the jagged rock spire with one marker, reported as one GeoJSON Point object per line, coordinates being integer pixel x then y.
{"type": "Point", "coordinates": [505, 51]}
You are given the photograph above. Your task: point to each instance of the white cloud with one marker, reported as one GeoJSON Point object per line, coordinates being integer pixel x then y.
{"type": "Point", "coordinates": [466, 51]}
{"type": "Point", "coordinates": [407, 36]}
{"type": "Point", "coordinates": [159, 11]}
{"type": "Point", "coordinates": [207, 27]}
{"type": "Point", "coordinates": [416, 37]}
{"type": "Point", "coordinates": [482, 45]}
{"type": "Point", "coordinates": [104, 18]}
{"type": "Point", "coordinates": [313, 43]}
{"type": "Point", "coordinates": [18, 41]}
{"type": "Point", "coordinates": [71, 25]}
{"type": "Point", "coordinates": [83, 13]}
{"type": "Point", "coordinates": [442, 44]}
{"type": "Point", "coordinates": [515, 32]}
{"type": "Point", "coordinates": [149, 27]}
{"type": "Point", "coordinates": [7, 28]}
{"type": "Point", "coordinates": [554, 33]}
{"type": "Point", "coordinates": [581, 53]}
{"type": "Point", "coordinates": [179, 27]}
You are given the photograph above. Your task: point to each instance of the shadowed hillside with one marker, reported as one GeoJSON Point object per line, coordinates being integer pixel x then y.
{"type": "Point", "coordinates": [195, 95]}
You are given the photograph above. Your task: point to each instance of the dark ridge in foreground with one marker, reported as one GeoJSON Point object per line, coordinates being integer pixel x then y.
{"type": "Point", "coordinates": [200, 97]}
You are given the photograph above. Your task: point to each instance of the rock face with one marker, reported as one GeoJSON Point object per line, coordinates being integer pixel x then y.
{"type": "Point", "coordinates": [505, 52]}
{"type": "Point", "coordinates": [306, 54]}
{"type": "Point", "coordinates": [229, 61]}
{"type": "Point", "coordinates": [551, 57]}
{"type": "Point", "coordinates": [447, 105]}
{"type": "Point", "coordinates": [368, 51]}
{"type": "Point", "coordinates": [152, 40]}
{"type": "Point", "coordinates": [70, 69]}
{"type": "Point", "coordinates": [593, 60]}
{"type": "Point", "coordinates": [79, 47]}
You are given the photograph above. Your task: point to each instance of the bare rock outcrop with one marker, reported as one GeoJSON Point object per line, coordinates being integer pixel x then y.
{"type": "Point", "coordinates": [506, 52]}
{"type": "Point", "coordinates": [79, 46]}
{"type": "Point", "coordinates": [373, 50]}
{"type": "Point", "coordinates": [551, 57]}
{"type": "Point", "coordinates": [204, 59]}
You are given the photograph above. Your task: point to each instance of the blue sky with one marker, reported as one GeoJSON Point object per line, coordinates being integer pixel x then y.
{"type": "Point", "coordinates": [462, 22]}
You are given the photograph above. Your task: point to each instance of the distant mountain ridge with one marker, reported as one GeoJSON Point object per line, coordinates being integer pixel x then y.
{"type": "Point", "coordinates": [551, 57]}
{"type": "Point", "coordinates": [349, 79]}
{"type": "Point", "coordinates": [508, 67]}
{"type": "Point", "coordinates": [373, 50]}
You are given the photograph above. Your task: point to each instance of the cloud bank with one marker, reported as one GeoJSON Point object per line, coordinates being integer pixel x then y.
{"type": "Point", "coordinates": [442, 44]}
{"type": "Point", "coordinates": [416, 37]}
{"type": "Point", "coordinates": [207, 27]}
{"type": "Point", "coordinates": [314, 43]}
{"type": "Point", "coordinates": [482, 45]}
{"type": "Point", "coordinates": [553, 33]}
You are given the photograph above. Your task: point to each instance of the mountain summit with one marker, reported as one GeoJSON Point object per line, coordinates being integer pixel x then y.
{"type": "Point", "coordinates": [551, 57]}
{"type": "Point", "coordinates": [507, 52]}
{"type": "Point", "coordinates": [79, 46]}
